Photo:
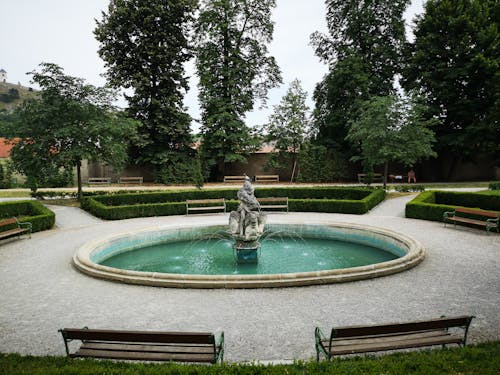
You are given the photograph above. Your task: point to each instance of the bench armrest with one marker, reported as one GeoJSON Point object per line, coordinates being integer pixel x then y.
{"type": "Point", "coordinates": [448, 214]}
{"type": "Point", "coordinates": [219, 347]}
{"type": "Point", "coordinates": [26, 224]}
{"type": "Point", "coordinates": [318, 337]}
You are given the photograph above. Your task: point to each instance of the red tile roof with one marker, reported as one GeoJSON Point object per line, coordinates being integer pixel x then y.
{"type": "Point", "coordinates": [5, 148]}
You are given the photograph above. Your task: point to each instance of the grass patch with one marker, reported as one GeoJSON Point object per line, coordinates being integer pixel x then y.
{"type": "Point", "coordinates": [482, 359]}
{"type": "Point", "coordinates": [14, 194]}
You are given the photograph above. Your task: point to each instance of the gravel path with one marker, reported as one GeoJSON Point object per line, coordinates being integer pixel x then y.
{"type": "Point", "coordinates": [42, 292]}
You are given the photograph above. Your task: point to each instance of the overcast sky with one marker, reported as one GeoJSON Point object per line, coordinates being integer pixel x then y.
{"type": "Point", "coordinates": [61, 32]}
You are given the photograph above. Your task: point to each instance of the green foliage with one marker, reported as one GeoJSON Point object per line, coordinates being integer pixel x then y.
{"type": "Point", "coordinates": [10, 96]}
{"type": "Point", "coordinates": [34, 212]}
{"type": "Point", "coordinates": [474, 360]}
{"type": "Point", "coordinates": [71, 121]}
{"type": "Point", "coordinates": [320, 164]}
{"type": "Point", "coordinates": [178, 169]}
{"type": "Point", "coordinates": [409, 187]}
{"type": "Point", "coordinates": [314, 199]}
{"type": "Point", "coordinates": [145, 47]}
{"type": "Point", "coordinates": [392, 129]}
{"type": "Point", "coordinates": [454, 63]}
{"type": "Point", "coordinates": [364, 49]}
{"type": "Point", "coordinates": [431, 205]}
{"type": "Point", "coordinates": [287, 128]}
{"type": "Point", "coordinates": [494, 186]}
{"type": "Point", "coordinates": [235, 70]}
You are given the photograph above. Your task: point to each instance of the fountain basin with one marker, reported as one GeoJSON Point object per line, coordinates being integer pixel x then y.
{"type": "Point", "coordinates": [407, 253]}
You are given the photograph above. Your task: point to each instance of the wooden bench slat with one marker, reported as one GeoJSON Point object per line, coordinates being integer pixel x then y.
{"type": "Point", "coordinates": [389, 336]}
{"type": "Point", "coordinates": [9, 221]}
{"type": "Point", "coordinates": [144, 356]}
{"type": "Point", "coordinates": [468, 221]}
{"type": "Point", "coordinates": [396, 345]}
{"type": "Point", "coordinates": [138, 336]}
{"type": "Point", "coordinates": [22, 228]}
{"type": "Point", "coordinates": [158, 348]}
{"type": "Point", "coordinates": [478, 212]}
{"type": "Point", "coordinates": [13, 232]}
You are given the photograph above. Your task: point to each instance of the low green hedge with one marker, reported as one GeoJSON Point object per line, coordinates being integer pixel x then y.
{"type": "Point", "coordinates": [40, 217]}
{"type": "Point", "coordinates": [494, 185]}
{"type": "Point", "coordinates": [430, 205]}
{"type": "Point", "coordinates": [309, 199]}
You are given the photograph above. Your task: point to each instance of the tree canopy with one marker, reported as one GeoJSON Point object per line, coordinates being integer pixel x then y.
{"type": "Point", "coordinates": [454, 63]}
{"type": "Point", "coordinates": [235, 71]}
{"type": "Point", "coordinates": [392, 129]}
{"type": "Point", "coordinates": [288, 127]}
{"type": "Point", "coordinates": [69, 122]}
{"type": "Point", "coordinates": [145, 46]}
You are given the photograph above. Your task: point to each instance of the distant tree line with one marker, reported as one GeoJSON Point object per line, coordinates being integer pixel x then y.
{"type": "Point", "coordinates": [384, 100]}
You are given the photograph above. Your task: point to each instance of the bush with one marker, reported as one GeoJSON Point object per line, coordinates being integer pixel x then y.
{"type": "Point", "coordinates": [40, 217]}
{"type": "Point", "coordinates": [309, 199]}
{"type": "Point", "coordinates": [408, 188]}
{"type": "Point", "coordinates": [494, 185]}
{"type": "Point", "coordinates": [431, 205]}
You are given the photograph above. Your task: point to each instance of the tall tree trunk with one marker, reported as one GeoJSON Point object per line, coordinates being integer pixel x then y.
{"type": "Point", "coordinates": [79, 179]}
{"type": "Point", "coordinates": [386, 171]}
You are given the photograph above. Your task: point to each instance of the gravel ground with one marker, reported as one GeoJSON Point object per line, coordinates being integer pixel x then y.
{"type": "Point", "coordinates": [42, 292]}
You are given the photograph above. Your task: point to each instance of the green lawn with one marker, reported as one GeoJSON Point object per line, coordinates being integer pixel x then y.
{"type": "Point", "coordinates": [483, 359]}
{"type": "Point", "coordinates": [14, 193]}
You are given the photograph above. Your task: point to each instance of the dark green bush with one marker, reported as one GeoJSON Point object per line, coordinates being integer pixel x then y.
{"type": "Point", "coordinates": [430, 205]}
{"type": "Point", "coordinates": [494, 185]}
{"type": "Point", "coordinates": [40, 217]}
{"type": "Point", "coordinates": [309, 199]}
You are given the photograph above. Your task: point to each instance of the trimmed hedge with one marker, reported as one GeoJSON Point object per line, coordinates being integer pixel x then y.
{"type": "Point", "coordinates": [494, 185]}
{"type": "Point", "coordinates": [40, 217]}
{"type": "Point", "coordinates": [308, 199]}
{"type": "Point", "coordinates": [430, 205]}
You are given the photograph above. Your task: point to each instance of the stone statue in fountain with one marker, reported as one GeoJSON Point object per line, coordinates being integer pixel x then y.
{"type": "Point", "coordinates": [247, 223]}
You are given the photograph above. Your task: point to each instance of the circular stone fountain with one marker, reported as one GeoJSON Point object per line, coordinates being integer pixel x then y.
{"type": "Point", "coordinates": [405, 251]}
{"type": "Point", "coordinates": [316, 254]}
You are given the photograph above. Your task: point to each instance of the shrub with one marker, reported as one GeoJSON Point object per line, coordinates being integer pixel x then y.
{"type": "Point", "coordinates": [494, 185]}
{"type": "Point", "coordinates": [430, 205]}
{"type": "Point", "coordinates": [309, 199]}
{"type": "Point", "coordinates": [407, 188]}
{"type": "Point", "coordinates": [40, 217]}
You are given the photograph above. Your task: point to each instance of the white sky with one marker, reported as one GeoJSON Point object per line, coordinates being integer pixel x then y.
{"type": "Point", "coordinates": [61, 32]}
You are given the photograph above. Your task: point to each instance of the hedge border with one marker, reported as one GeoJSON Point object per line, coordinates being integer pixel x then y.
{"type": "Point", "coordinates": [117, 206]}
{"type": "Point", "coordinates": [40, 217]}
{"type": "Point", "coordinates": [428, 206]}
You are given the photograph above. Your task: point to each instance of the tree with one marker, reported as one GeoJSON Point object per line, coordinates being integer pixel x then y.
{"type": "Point", "coordinates": [288, 127]}
{"type": "Point", "coordinates": [145, 46]}
{"type": "Point", "coordinates": [454, 63]}
{"type": "Point", "coordinates": [364, 49]}
{"type": "Point", "coordinates": [70, 121]}
{"type": "Point", "coordinates": [235, 70]}
{"type": "Point", "coordinates": [392, 129]}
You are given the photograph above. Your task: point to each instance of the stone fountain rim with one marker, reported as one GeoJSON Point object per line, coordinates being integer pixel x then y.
{"type": "Point", "coordinates": [415, 253]}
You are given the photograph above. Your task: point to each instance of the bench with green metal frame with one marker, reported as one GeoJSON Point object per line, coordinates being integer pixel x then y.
{"type": "Point", "coordinates": [392, 336]}
{"type": "Point", "coordinates": [489, 220]}
{"type": "Point", "coordinates": [15, 228]}
{"type": "Point", "coordinates": [198, 347]}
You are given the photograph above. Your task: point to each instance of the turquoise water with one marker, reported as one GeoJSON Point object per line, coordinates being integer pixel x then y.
{"type": "Point", "coordinates": [215, 257]}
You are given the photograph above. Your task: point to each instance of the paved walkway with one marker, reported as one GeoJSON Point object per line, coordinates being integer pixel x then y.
{"type": "Point", "coordinates": [42, 292]}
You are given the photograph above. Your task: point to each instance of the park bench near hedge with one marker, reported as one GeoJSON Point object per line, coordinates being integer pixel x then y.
{"type": "Point", "coordinates": [393, 336]}
{"type": "Point", "coordinates": [197, 205]}
{"type": "Point", "coordinates": [145, 345]}
{"type": "Point", "coordinates": [487, 219]}
{"type": "Point", "coordinates": [267, 178]}
{"type": "Point", "coordinates": [375, 177]}
{"type": "Point", "coordinates": [278, 203]}
{"type": "Point", "coordinates": [239, 179]}
{"type": "Point", "coordinates": [99, 180]}
{"type": "Point", "coordinates": [130, 180]}
{"type": "Point", "coordinates": [17, 230]}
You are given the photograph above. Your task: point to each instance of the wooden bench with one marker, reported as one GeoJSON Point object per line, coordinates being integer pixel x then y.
{"type": "Point", "coordinates": [278, 203]}
{"type": "Point", "coordinates": [130, 180]}
{"type": "Point", "coordinates": [17, 228]}
{"type": "Point", "coordinates": [205, 205]}
{"type": "Point", "coordinates": [99, 180]}
{"type": "Point", "coordinates": [392, 336]}
{"type": "Point", "coordinates": [267, 178]}
{"type": "Point", "coordinates": [487, 219]}
{"type": "Point", "coordinates": [145, 345]}
{"type": "Point", "coordinates": [239, 179]}
{"type": "Point", "coordinates": [376, 177]}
